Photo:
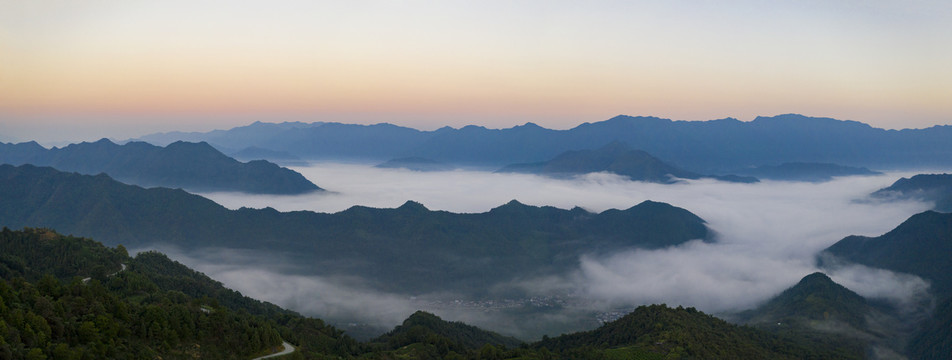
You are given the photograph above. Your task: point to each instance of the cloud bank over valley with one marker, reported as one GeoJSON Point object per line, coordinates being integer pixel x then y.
{"type": "Point", "coordinates": [767, 237]}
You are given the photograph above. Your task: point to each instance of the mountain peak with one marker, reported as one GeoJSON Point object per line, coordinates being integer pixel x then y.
{"type": "Point", "coordinates": [527, 126]}
{"type": "Point", "coordinates": [815, 298]}
{"type": "Point", "coordinates": [819, 284]}
{"type": "Point", "coordinates": [515, 203]}
{"type": "Point", "coordinates": [454, 332]}
{"type": "Point", "coordinates": [817, 275]}
{"type": "Point", "coordinates": [411, 205]}
{"type": "Point", "coordinates": [652, 205]}
{"type": "Point", "coordinates": [182, 143]}
{"type": "Point", "coordinates": [512, 205]}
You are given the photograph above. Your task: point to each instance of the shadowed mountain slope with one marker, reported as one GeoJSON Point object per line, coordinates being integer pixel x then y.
{"type": "Point", "coordinates": [920, 246]}
{"type": "Point", "coordinates": [926, 187]}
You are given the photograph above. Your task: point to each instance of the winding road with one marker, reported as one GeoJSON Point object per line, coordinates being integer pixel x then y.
{"type": "Point", "coordinates": [86, 280]}
{"type": "Point", "coordinates": [287, 350]}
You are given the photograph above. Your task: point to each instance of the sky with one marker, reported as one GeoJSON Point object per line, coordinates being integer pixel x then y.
{"type": "Point", "coordinates": [82, 70]}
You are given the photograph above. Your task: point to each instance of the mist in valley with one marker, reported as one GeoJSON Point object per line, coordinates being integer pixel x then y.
{"type": "Point", "coordinates": [767, 237]}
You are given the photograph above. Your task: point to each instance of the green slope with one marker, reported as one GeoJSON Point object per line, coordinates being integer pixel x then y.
{"type": "Point", "coordinates": [47, 311]}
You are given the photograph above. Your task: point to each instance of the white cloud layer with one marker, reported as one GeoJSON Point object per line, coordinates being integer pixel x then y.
{"type": "Point", "coordinates": [768, 235]}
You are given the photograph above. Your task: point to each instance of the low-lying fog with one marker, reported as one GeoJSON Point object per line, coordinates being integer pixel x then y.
{"type": "Point", "coordinates": [767, 237]}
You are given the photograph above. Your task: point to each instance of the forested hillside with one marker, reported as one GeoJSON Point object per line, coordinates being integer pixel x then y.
{"type": "Point", "coordinates": [63, 297]}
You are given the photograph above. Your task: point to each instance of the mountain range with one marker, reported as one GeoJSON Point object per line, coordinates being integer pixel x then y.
{"type": "Point", "coordinates": [714, 146]}
{"type": "Point", "coordinates": [616, 158]}
{"type": "Point", "coordinates": [411, 248]}
{"type": "Point", "coordinates": [193, 166]}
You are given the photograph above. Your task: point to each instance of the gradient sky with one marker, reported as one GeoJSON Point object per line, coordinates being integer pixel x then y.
{"type": "Point", "coordinates": [79, 70]}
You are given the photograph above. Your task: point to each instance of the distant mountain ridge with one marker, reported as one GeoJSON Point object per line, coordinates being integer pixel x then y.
{"type": "Point", "coordinates": [415, 164]}
{"type": "Point", "coordinates": [801, 171]}
{"type": "Point", "coordinates": [617, 158]}
{"type": "Point", "coordinates": [410, 248]}
{"type": "Point", "coordinates": [194, 166]}
{"type": "Point", "coordinates": [713, 146]}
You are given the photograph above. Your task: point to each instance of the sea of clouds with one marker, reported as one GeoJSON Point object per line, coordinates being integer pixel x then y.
{"type": "Point", "coordinates": [768, 235]}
